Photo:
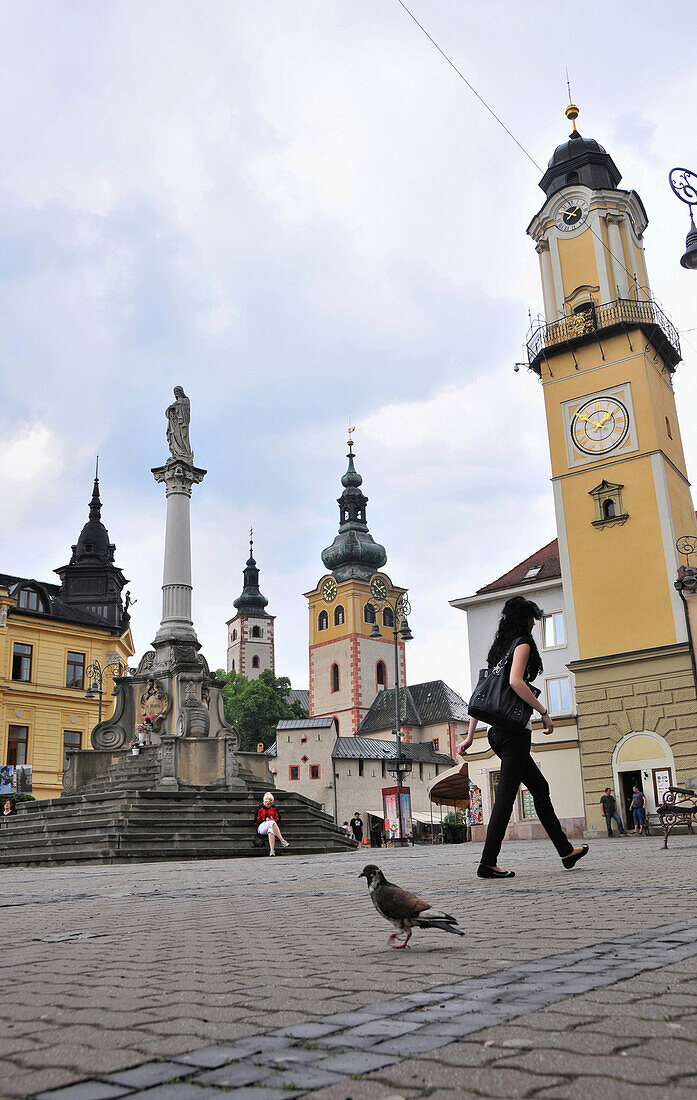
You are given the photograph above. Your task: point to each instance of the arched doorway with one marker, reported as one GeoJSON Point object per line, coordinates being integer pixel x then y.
{"type": "Point", "coordinates": [644, 759]}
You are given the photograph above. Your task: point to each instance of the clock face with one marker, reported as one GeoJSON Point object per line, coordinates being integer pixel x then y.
{"type": "Point", "coordinates": [329, 590]}
{"type": "Point", "coordinates": [600, 425]}
{"type": "Point", "coordinates": [378, 589]}
{"type": "Point", "coordinates": [571, 214]}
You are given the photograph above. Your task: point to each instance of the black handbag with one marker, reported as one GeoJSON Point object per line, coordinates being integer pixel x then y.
{"type": "Point", "coordinates": [495, 702]}
{"type": "Point", "coordinates": [258, 841]}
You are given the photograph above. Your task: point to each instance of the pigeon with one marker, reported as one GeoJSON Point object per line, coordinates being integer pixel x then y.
{"type": "Point", "coordinates": [403, 909]}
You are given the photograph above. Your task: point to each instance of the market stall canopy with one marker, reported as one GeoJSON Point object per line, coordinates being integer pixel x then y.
{"type": "Point", "coordinates": [451, 787]}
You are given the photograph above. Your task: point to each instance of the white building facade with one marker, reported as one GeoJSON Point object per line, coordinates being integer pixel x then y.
{"type": "Point", "coordinates": [558, 757]}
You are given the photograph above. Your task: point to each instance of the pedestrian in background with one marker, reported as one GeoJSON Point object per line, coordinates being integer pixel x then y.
{"type": "Point", "coordinates": [638, 809]}
{"type": "Point", "coordinates": [357, 826]}
{"type": "Point", "coordinates": [609, 806]}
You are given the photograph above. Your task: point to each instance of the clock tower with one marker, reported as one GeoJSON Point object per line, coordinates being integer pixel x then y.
{"type": "Point", "coordinates": [347, 666]}
{"type": "Point", "coordinates": [606, 355]}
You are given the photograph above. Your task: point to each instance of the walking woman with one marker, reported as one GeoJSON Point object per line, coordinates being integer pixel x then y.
{"type": "Point", "coordinates": [512, 746]}
{"type": "Point", "coordinates": [267, 823]}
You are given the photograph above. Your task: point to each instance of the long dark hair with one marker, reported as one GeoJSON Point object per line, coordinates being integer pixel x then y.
{"type": "Point", "coordinates": [516, 622]}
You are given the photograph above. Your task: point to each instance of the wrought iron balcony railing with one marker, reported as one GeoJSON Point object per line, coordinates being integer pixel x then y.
{"type": "Point", "coordinates": [592, 322]}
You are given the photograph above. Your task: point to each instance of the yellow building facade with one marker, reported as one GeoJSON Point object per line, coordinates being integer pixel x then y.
{"type": "Point", "coordinates": [49, 636]}
{"type": "Point", "coordinates": [606, 355]}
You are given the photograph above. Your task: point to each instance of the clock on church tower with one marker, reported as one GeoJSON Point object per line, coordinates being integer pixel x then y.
{"type": "Point", "coordinates": [606, 354]}
{"type": "Point", "coordinates": [347, 666]}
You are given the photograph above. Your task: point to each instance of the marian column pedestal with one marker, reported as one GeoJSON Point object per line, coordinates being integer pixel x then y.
{"type": "Point", "coordinates": [173, 683]}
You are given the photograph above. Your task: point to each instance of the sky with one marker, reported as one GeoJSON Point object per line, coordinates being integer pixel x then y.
{"type": "Point", "coordinates": [297, 211]}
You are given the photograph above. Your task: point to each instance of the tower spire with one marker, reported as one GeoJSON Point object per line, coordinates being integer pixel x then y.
{"type": "Point", "coordinates": [251, 600]}
{"type": "Point", "coordinates": [354, 552]}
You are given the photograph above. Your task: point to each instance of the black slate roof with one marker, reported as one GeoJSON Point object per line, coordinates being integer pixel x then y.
{"type": "Point", "coordinates": [305, 723]}
{"type": "Point", "coordinates": [374, 748]}
{"type": "Point", "coordinates": [57, 610]}
{"type": "Point", "coordinates": [299, 695]}
{"type": "Point", "coordinates": [420, 705]}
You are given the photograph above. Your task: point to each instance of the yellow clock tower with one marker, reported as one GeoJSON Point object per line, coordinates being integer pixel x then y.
{"type": "Point", "coordinates": [605, 354]}
{"type": "Point", "coordinates": [349, 662]}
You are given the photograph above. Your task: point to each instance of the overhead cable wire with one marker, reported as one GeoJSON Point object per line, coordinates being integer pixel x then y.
{"type": "Point", "coordinates": [470, 86]}
{"type": "Point", "coordinates": [512, 136]}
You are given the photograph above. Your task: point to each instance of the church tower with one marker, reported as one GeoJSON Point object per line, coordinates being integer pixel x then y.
{"type": "Point", "coordinates": [606, 354]}
{"type": "Point", "coordinates": [347, 667]}
{"type": "Point", "coordinates": [250, 631]}
{"type": "Point", "coordinates": [90, 581]}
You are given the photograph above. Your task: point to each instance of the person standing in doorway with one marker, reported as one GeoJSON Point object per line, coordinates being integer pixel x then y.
{"type": "Point", "coordinates": [357, 826]}
{"type": "Point", "coordinates": [638, 809]}
{"type": "Point", "coordinates": [609, 806]}
{"type": "Point", "coordinates": [515, 649]}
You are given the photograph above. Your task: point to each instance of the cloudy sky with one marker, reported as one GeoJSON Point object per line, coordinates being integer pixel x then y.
{"type": "Point", "coordinates": [296, 210]}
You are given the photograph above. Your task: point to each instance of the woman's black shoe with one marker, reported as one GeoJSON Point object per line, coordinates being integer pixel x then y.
{"type": "Point", "coordinates": [571, 861]}
{"type": "Point", "coordinates": [491, 872]}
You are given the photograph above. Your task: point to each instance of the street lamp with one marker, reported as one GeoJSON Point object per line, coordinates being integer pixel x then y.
{"type": "Point", "coordinates": [687, 583]}
{"type": "Point", "coordinates": [684, 185]}
{"type": "Point", "coordinates": [400, 608]}
{"type": "Point", "coordinates": [95, 675]}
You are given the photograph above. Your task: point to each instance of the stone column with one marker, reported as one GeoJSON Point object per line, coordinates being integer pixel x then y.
{"type": "Point", "coordinates": [615, 241]}
{"type": "Point", "coordinates": [177, 624]}
{"type": "Point", "coordinates": [542, 250]}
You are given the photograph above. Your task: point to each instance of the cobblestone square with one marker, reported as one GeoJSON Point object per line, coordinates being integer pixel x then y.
{"type": "Point", "coordinates": [265, 978]}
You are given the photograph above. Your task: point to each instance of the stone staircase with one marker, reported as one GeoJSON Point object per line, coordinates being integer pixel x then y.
{"type": "Point", "coordinates": [127, 773]}
{"type": "Point", "coordinates": [138, 825]}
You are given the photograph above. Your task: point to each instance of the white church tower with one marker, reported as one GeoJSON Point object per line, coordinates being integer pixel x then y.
{"type": "Point", "coordinates": [250, 644]}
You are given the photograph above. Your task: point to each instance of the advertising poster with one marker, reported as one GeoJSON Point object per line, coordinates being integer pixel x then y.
{"type": "Point", "coordinates": [391, 815]}
{"type": "Point", "coordinates": [661, 782]}
{"type": "Point", "coordinates": [7, 776]}
{"type": "Point", "coordinates": [477, 816]}
{"type": "Point", "coordinates": [23, 779]}
{"type": "Point", "coordinates": [405, 798]}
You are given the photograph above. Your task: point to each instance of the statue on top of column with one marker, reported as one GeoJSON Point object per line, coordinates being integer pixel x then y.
{"type": "Point", "coordinates": [178, 416]}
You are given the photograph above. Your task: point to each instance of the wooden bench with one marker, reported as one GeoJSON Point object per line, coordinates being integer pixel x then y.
{"type": "Point", "coordinates": [679, 806]}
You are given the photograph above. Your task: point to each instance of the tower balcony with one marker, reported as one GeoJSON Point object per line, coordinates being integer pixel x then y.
{"type": "Point", "coordinates": [590, 323]}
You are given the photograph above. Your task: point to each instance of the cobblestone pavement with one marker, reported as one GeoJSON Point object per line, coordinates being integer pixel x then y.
{"type": "Point", "coordinates": [265, 979]}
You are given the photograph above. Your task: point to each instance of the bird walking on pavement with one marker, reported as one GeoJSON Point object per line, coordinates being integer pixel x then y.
{"type": "Point", "coordinates": [403, 909]}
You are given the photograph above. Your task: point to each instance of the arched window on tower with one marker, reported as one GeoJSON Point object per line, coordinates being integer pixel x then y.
{"type": "Point", "coordinates": [234, 635]}
{"type": "Point", "coordinates": [255, 662]}
{"type": "Point", "coordinates": [256, 632]}
{"type": "Point", "coordinates": [233, 666]}
{"type": "Point", "coordinates": [381, 675]}
{"type": "Point", "coordinates": [369, 613]}
{"type": "Point", "coordinates": [339, 616]}
{"type": "Point", "coordinates": [388, 617]}
{"type": "Point", "coordinates": [608, 509]}
{"type": "Point", "coordinates": [335, 677]}
{"type": "Point", "coordinates": [322, 621]}
{"type": "Point", "coordinates": [572, 177]}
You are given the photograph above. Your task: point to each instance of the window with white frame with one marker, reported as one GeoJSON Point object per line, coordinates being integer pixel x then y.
{"type": "Point", "coordinates": [553, 630]}
{"type": "Point", "coordinates": [559, 694]}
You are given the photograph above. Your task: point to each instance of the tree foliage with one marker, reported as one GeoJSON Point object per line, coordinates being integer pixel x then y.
{"type": "Point", "coordinates": [255, 706]}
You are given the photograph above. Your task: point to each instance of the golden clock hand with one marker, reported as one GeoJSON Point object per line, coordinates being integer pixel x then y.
{"type": "Point", "coordinates": [571, 212]}
{"type": "Point", "coordinates": [606, 417]}
{"type": "Point", "coordinates": [588, 420]}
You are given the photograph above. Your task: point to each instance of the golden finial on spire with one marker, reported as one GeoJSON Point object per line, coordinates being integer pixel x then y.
{"type": "Point", "coordinates": [572, 113]}
{"type": "Point", "coordinates": [351, 430]}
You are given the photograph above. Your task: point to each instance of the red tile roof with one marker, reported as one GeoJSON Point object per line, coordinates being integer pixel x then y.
{"type": "Point", "coordinates": [547, 559]}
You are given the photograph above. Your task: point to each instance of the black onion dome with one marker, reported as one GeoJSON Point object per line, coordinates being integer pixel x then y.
{"type": "Point", "coordinates": [93, 543]}
{"type": "Point", "coordinates": [580, 160]}
{"type": "Point", "coordinates": [251, 601]}
{"type": "Point", "coordinates": [354, 552]}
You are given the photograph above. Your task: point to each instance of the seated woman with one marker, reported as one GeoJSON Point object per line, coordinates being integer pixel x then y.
{"type": "Point", "coordinates": [267, 822]}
